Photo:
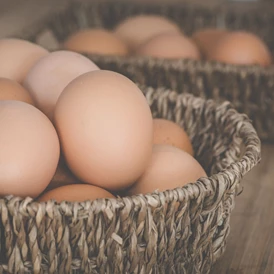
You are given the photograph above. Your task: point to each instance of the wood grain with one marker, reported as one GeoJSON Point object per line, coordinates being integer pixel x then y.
{"type": "Point", "coordinates": [250, 248]}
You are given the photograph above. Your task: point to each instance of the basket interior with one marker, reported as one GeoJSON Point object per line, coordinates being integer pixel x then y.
{"type": "Point", "coordinates": [215, 142]}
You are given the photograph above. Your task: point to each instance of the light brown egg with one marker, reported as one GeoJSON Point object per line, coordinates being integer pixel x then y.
{"type": "Point", "coordinates": [11, 90]}
{"type": "Point", "coordinates": [169, 133]}
{"type": "Point", "coordinates": [75, 193]}
{"type": "Point", "coordinates": [241, 48]}
{"type": "Point", "coordinates": [29, 149]}
{"type": "Point", "coordinates": [169, 45]}
{"type": "Point", "coordinates": [51, 74]}
{"type": "Point", "coordinates": [137, 29]}
{"type": "Point", "coordinates": [106, 130]}
{"type": "Point", "coordinates": [207, 38]}
{"type": "Point", "coordinates": [17, 57]}
{"type": "Point", "coordinates": [169, 168]}
{"type": "Point", "coordinates": [98, 41]}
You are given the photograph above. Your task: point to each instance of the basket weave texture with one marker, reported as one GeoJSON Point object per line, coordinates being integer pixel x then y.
{"type": "Point", "coordinates": [177, 231]}
{"type": "Point", "coordinates": [249, 88]}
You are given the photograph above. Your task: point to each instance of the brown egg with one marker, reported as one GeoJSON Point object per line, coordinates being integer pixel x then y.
{"type": "Point", "coordinates": [75, 193]}
{"type": "Point", "coordinates": [97, 41]}
{"type": "Point", "coordinates": [169, 45]}
{"type": "Point", "coordinates": [51, 74]}
{"type": "Point", "coordinates": [241, 48]}
{"type": "Point", "coordinates": [169, 168]}
{"type": "Point", "coordinates": [207, 38]}
{"type": "Point", "coordinates": [106, 130]}
{"type": "Point", "coordinates": [18, 56]}
{"type": "Point", "coordinates": [169, 133]}
{"type": "Point", "coordinates": [29, 150]}
{"type": "Point", "coordinates": [137, 29]}
{"type": "Point", "coordinates": [11, 90]}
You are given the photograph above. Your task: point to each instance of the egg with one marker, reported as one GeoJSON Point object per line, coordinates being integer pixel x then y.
{"type": "Point", "coordinates": [166, 132]}
{"type": "Point", "coordinates": [137, 29]}
{"type": "Point", "coordinates": [169, 168]}
{"type": "Point", "coordinates": [51, 74]}
{"type": "Point", "coordinates": [11, 90]}
{"type": "Point", "coordinates": [97, 41]}
{"type": "Point", "coordinates": [17, 57]}
{"type": "Point", "coordinates": [207, 38]}
{"type": "Point", "coordinates": [29, 150]}
{"type": "Point", "coordinates": [241, 48]}
{"type": "Point", "coordinates": [169, 45]}
{"type": "Point", "coordinates": [106, 130]}
{"type": "Point", "coordinates": [75, 193]}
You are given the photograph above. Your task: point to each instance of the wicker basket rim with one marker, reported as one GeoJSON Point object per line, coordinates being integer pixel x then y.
{"type": "Point", "coordinates": [185, 64]}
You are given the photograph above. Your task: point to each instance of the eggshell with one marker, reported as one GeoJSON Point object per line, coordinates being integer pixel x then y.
{"type": "Point", "coordinates": [207, 38]}
{"type": "Point", "coordinates": [29, 149]}
{"type": "Point", "coordinates": [241, 48]}
{"type": "Point", "coordinates": [137, 29]}
{"type": "Point", "coordinates": [98, 41]}
{"type": "Point", "coordinates": [11, 90]}
{"type": "Point", "coordinates": [106, 129]}
{"type": "Point", "coordinates": [75, 193]}
{"type": "Point", "coordinates": [169, 168]}
{"type": "Point", "coordinates": [51, 74]}
{"type": "Point", "coordinates": [169, 133]}
{"type": "Point", "coordinates": [17, 57]}
{"type": "Point", "coordinates": [169, 45]}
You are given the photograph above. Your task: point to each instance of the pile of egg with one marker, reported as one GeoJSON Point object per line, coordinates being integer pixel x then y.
{"type": "Point", "coordinates": [159, 37]}
{"type": "Point", "coordinates": [73, 132]}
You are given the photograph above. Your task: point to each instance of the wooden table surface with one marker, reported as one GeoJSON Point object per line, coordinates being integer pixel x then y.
{"type": "Point", "coordinates": [250, 248]}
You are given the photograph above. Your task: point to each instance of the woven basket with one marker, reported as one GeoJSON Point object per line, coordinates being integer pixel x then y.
{"type": "Point", "coordinates": [178, 231]}
{"type": "Point", "coordinates": [250, 89]}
